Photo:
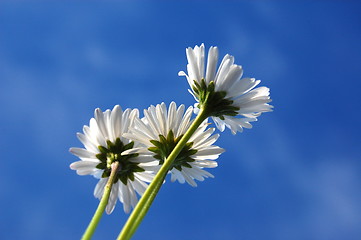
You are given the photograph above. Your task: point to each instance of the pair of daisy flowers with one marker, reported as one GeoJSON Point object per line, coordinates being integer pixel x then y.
{"type": "Point", "coordinates": [141, 145]}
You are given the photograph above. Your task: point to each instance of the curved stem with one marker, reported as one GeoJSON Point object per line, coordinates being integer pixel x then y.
{"type": "Point", "coordinates": [102, 204]}
{"type": "Point", "coordinates": [146, 200]}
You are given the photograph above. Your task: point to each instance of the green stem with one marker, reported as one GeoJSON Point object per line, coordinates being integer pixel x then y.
{"type": "Point", "coordinates": [146, 200]}
{"type": "Point", "coordinates": [102, 204]}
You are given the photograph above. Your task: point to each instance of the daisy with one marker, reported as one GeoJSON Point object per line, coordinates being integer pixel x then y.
{"type": "Point", "coordinates": [104, 145]}
{"type": "Point", "coordinates": [161, 129]}
{"type": "Point", "coordinates": [232, 101]}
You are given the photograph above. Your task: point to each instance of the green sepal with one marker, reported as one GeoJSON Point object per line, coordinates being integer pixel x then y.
{"type": "Point", "coordinates": [123, 179]}
{"type": "Point", "coordinates": [186, 165]}
{"type": "Point", "coordinates": [189, 145]}
{"type": "Point", "coordinates": [165, 146]}
{"type": "Point", "coordinates": [102, 157]}
{"type": "Point", "coordinates": [106, 174]}
{"type": "Point", "coordinates": [101, 165]}
{"type": "Point", "coordinates": [103, 149]}
{"type": "Point", "coordinates": [153, 149]}
{"type": "Point", "coordinates": [138, 169]}
{"type": "Point", "coordinates": [156, 143]}
{"type": "Point", "coordinates": [112, 153]}
{"type": "Point", "coordinates": [192, 152]}
{"type": "Point", "coordinates": [170, 136]}
{"type": "Point", "coordinates": [213, 103]}
{"type": "Point", "coordinates": [131, 176]}
{"type": "Point", "coordinates": [128, 146]}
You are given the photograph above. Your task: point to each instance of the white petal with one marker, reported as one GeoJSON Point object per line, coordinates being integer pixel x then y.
{"type": "Point", "coordinates": [142, 131]}
{"type": "Point", "coordinates": [257, 92]}
{"type": "Point", "coordinates": [132, 194]}
{"type": "Point", "coordinates": [182, 74]}
{"type": "Point", "coordinates": [219, 123]}
{"type": "Point", "coordinates": [242, 86]}
{"type": "Point", "coordinates": [177, 175]}
{"type": "Point", "coordinates": [99, 188]}
{"type": "Point", "coordinates": [96, 133]}
{"type": "Point", "coordinates": [144, 176]}
{"type": "Point", "coordinates": [112, 198]}
{"type": "Point", "coordinates": [125, 121]}
{"type": "Point", "coordinates": [206, 142]}
{"type": "Point", "coordinates": [146, 160]}
{"type": "Point", "coordinates": [200, 136]}
{"type": "Point", "coordinates": [139, 186]}
{"type": "Point", "coordinates": [171, 115]}
{"type": "Point", "coordinates": [199, 51]}
{"type": "Point", "coordinates": [254, 102]}
{"type": "Point", "coordinates": [195, 173]}
{"type": "Point", "coordinates": [178, 118]}
{"type": "Point", "coordinates": [234, 74]}
{"type": "Point", "coordinates": [188, 179]}
{"type": "Point", "coordinates": [124, 191]}
{"type": "Point", "coordinates": [87, 143]}
{"type": "Point", "coordinates": [223, 70]}
{"type": "Point", "coordinates": [108, 126]}
{"type": "Point", "coordinates": [199, 133]}
{"type": "Point", "coordinates": [256, 109]}
{"type": "Point", "coordinates": [99, 117]}
{"type": "Point", "coordinates": [193, 72]}
{"type": "Point", "coordinates": [79, 165]}
{"type": "Point", "coordinates": [83, 172]}
{"type": "Point", "coordinates": [205, 157]}
{"type": "Point", "coordinates": [161, 113]}
{"type": "Point", "coordinates": [191, 77]}
{"type": "Point", "coordinates": [116, 121]}
{"type": "Point", "coordinates": [206, 163]}
{"type": "Point", "coordinates": [90, 135]}
{"type": "Point", "coordinates": [211, 64]}
{"type": "Point", "coordinates": [152, 120]}
{"type": "Point", "coordinates": [211, 150]}
{"type": "Point", "coordinates": [135, 150]}
{"type": "Point", "coordinates": [82, 153]}
{"type": "Point", "coordinates": [184, 125]}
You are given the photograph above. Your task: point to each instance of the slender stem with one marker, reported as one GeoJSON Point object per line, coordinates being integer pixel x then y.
{"type": "Point", "coordinates": [102, 204]}
{"type": "Point", "coordinates": [146, 200]}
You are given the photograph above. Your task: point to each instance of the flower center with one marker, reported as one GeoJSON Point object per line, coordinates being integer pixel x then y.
{"type": "Point", "coordinates": [112, 153]}
{"type": "Point", "coordinates": [214, 103]}
{"type": "Point", "coordinates": [165, 146]}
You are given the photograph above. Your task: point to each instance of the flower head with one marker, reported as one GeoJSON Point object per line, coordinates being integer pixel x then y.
{"type": "Point", "coordinates": [161, 129]}
{"type": "Point", "coordinates": [232, 101]}
{"type": "Point", "coordinates": [104, 144]}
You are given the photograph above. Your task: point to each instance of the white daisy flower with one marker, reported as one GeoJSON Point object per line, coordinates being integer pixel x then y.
{"type": "Point", "coordinates": [232, 101]}
{"type": "Point", "coordinates": [104, 144]}
{"type": "Point", "coordinates": [161, 129]}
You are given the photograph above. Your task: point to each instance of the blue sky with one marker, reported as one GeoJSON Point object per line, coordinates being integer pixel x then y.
{"type": "Point", "coordinates": [295, 175]}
